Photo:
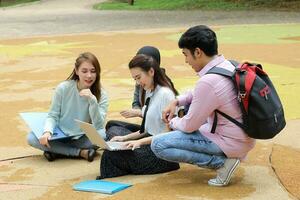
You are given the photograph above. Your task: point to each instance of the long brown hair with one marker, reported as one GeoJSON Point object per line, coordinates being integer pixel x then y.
{"type": "Point", "coordinates": [91, 58]}
{"type": "Point", "coordinates": [145, 63]}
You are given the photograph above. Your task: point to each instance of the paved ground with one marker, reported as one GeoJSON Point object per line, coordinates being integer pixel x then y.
{"type": "Point", "coordinates": [50, 17]}
{"type": "Point", "coordinates": [36, 54]}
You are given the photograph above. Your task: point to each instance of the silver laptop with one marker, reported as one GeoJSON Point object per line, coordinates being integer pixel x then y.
{"type": "Point", "coordinates": [96, 139]}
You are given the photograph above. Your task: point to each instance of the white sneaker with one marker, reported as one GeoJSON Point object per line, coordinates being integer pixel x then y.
{"type": "Point", "coordinates": [225, 173]}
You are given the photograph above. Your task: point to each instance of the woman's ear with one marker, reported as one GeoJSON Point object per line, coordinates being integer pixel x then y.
{"type": "Point", "coordinates": [151, 72]}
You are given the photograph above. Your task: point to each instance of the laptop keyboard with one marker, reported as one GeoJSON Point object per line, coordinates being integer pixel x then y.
{"type": "Point", "coordinates": [116, 145]}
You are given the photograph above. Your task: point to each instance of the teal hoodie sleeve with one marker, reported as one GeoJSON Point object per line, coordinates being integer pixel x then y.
{"type": "Point", "coordinates": [98, 110]}
{"type": "Point", "coordinates": [55, 109]}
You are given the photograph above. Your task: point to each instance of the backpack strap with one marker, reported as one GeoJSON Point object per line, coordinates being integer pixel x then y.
{"type": "Point", "coordinates": [220, 71]}
{"type": "Point", "coordinates": [241, 86]}
{"type": "Point", "coordinates": [229, 74]}
{"type": "Point", "coordinates": [214, 126]}
{"type": "Point", "coordinates": [234, 63]}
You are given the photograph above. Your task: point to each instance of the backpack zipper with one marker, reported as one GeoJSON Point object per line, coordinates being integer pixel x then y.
{"type": "Point", "coordinates": [266, 95]}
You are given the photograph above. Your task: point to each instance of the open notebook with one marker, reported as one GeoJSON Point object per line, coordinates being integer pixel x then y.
{"type": "Point", "coordinates": [106, 187]}
{"type": "Point", "coordinates": [36, 121]}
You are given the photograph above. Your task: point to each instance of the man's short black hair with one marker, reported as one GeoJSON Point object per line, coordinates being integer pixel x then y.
{"type": "Point", "coordinates": [202, 37]}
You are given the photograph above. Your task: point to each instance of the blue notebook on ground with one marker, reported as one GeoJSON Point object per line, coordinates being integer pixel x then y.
{"type": "Point", "coordinates": [100, 186]}
{"type": "Point", "coordinates": [36, 121]}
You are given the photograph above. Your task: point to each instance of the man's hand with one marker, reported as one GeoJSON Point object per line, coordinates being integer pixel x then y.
{"type": "Point", "coordinates": [169, 111]}
{"type": "Point", "coordinates": [131, 113]}
{"type": "Point", "coordinates": [44, 139]}
{"type": "Point", "coordinates": [168, 127]}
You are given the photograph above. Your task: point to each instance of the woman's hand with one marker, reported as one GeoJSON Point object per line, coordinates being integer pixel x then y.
{"type": "Point", "coordinates": [86, 93]}
{"type": "Point", "coordinates": [134, 144]}
{"type": "Point", "coordinates": [118, 139]}
{"type": "Point", "coordinates": [131, 113]}
{"type": "Point", "coordinates": [44, 139]}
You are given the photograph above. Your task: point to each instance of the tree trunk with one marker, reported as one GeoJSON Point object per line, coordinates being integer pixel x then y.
{"type": "Point", "coordinates": [131, 2]}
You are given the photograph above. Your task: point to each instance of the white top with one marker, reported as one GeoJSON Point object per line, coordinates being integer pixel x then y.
{"type": "Point", "coordinates": [67, 105]}
{"type": "Point", "coordinates": [159, 99]}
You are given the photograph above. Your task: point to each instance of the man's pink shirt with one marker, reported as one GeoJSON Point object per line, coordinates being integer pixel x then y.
{"type": "Point", "coordinates": [213, 92]}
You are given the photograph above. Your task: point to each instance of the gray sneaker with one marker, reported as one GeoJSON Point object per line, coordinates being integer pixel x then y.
{"type": "Point", "coordinates": [225, 173]}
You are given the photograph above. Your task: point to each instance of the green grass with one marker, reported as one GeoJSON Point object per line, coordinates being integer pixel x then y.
{"type": "Point", "coordinates": [261, 34]}
{"type": "Point", "coordinates": [6, 3]}
{"type": "Point", "coordinates": [165, 5]}
{"type": "Point", "coordinates": [287, 83]}
{"type": "Point", "coordinates": [199, 4]}
{"type": "Point", "coordinates": [258, 34]}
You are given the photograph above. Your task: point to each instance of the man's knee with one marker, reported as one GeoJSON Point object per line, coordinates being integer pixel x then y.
{"type": "Point", "coordinates": [157, 145]}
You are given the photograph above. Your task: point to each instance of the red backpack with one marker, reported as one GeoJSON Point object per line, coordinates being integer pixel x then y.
{"type": "Point", "coordinates": [263, 115]}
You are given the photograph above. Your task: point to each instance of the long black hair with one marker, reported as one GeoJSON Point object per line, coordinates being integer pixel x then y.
{"type": "Point", "coordinates": [145, 63]}
{"type": "Point", "coordinates": [154, 53]}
